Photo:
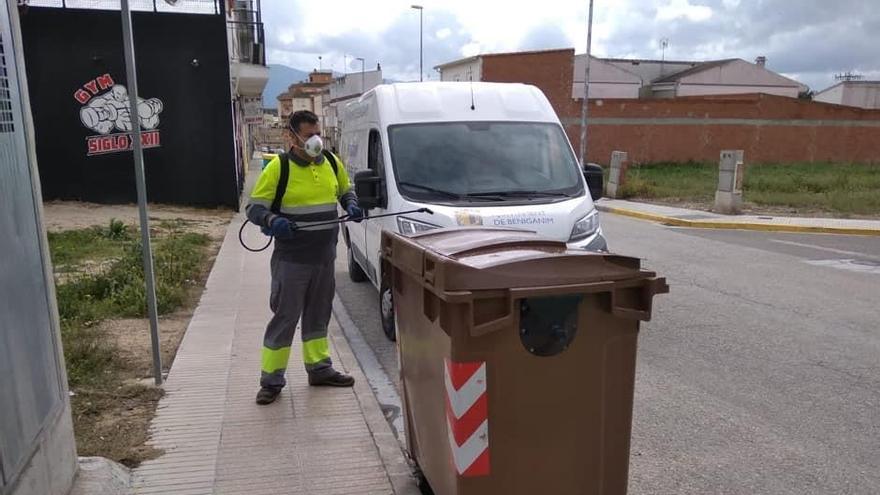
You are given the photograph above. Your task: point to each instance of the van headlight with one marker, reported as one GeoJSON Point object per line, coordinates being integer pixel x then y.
{"type": "Point", "coordinates": [585, 227]}
{"type": "Point", "coordinates": [408, 226]}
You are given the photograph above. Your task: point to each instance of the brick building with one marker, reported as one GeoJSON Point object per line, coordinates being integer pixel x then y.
{"type": "Point", "coordinates": [305, 95]}
{"type": "Point", "coordinates": [769, 128]}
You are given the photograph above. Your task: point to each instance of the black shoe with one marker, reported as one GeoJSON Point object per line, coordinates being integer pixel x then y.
{"type": "Point", "coordinates": [267, 395]}
{"type": "Point", "coordinates": [334, 379]}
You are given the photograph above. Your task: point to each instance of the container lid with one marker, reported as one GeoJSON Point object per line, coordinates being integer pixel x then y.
{"type": "Point", "coordinates": [466, 259]}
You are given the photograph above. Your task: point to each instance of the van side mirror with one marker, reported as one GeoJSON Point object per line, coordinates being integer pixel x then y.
{"type": "Point", "coordinates": [595, 180]}
{"type": "Point", "coordinates": [370, 189]}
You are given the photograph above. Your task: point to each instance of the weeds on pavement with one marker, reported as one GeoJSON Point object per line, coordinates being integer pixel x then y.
{"type": "Point", "coordinates": [118, 289]}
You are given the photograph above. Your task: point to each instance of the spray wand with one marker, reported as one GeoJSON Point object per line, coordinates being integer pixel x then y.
{"type": "Point", "coordinates": [342, 220]}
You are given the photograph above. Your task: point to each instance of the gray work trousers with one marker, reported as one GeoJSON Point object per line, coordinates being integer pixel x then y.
{"type": "Point", "coordinates": [300, 292]}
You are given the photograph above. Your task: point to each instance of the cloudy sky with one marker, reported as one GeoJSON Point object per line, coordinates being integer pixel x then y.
{"type": "Point", "coordinates": [809, 40]}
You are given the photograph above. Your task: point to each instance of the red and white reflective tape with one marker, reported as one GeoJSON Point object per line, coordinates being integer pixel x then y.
{"type": "Point", "coordinates": [467, 417]}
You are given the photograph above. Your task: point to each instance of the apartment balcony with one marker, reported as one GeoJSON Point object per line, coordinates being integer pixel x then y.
{"type": "Point", "coordinates": [247, 52]}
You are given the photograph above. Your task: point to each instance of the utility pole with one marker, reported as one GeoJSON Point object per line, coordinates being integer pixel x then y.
{"type": "Point", "coordinates": [137, 147]}
{"type": "Point", "coordinates": [583, 154]}
{"type": "Point", "coordinates": [421, 51]}
{"type": "Point", "coordinates": [664, 43]}
{"type": "Point", "coordinates": [362, 74]}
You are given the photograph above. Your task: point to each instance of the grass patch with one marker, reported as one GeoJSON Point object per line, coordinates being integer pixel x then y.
{"type": "Point", "coordinates": [73, 247]}
{"type": "Point", "coordinates": [102, 304]}
{"type": "Point", "coordinates": [682, 181]}
{"type": "Point", "coordinates": [118, 291]}
{"type": "Point", "coordinates": [848, 189]}
{"type": "Point", "coordinates": [843, 189]}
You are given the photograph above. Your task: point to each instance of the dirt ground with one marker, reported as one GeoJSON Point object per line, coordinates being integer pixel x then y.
{"type": "Point", "coordinates": [67, 215]}
{"type": "Point", "coordinates": [115, 423]}
{"type": "Point", "coordinates": [112, 419]}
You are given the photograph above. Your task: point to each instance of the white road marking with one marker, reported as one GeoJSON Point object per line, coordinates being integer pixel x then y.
{"type": "Point", "coordinates": [820, 248]}
{"type": "Point", "coordinates": [849, 265]}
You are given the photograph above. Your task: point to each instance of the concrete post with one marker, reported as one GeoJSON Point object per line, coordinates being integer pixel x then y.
{"type": "Point", "coordinates": [617, 175]}
{"type": "Point", "coordinates": [728, 197]}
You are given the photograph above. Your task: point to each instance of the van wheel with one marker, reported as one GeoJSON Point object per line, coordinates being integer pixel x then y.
{"type": "Point", "coordinates": [386, 311]}
{"type": "Point", "coordinates": [355, 272]}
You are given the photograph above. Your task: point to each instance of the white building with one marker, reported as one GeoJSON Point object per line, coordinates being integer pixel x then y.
{"type": "Point", "coordinates": [355, 84]}
{"type": "Point", "coordinates": [635, 78]}
{"type": "Point", "coordinates": [862, 94]}
{"type": "Point", "coordinates": [466, 69]}
{"type": "Point", "coordinates": [651, 70]}
{"type": "Point", "coordinates": [726, 77]}
{"type": "Point", "coordinates": [606, 80]}
{"type": "Point", "coordinates": [343, 90]}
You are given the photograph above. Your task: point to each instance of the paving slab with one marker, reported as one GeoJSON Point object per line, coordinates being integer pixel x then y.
{"type": "Point", "coordinates": [217, 440]}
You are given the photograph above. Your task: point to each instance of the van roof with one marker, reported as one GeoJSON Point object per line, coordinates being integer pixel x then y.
{"type": "Point", "coordinates": [451, 101]}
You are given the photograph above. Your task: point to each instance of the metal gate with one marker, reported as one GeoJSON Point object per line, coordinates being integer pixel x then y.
{"type": "Point", "coordinates": [30, 379]}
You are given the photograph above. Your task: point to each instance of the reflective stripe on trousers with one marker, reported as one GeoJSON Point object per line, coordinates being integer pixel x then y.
{"type": "Point", "coordinates": [300, 292]}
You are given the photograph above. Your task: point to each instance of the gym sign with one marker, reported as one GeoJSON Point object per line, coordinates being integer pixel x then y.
{"type": "Point", "coordinates": [106, 111]}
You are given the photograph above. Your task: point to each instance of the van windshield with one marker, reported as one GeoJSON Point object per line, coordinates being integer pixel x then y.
{"type": "Point", "coordinates": [483, 161]}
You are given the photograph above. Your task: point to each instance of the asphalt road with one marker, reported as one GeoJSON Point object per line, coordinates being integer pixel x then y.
{"type": "Point", "coordinates": [760, 372]}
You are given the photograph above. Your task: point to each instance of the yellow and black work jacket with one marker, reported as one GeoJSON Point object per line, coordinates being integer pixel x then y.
{"type": "Point", "coordinates": [312, 194]}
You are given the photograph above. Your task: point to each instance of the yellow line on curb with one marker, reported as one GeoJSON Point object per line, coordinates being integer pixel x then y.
{"type": "Point", "coordinates": [763, 227]}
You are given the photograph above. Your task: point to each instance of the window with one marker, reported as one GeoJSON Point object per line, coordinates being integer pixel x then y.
{"type": "Point", "coordinates": [472, 158]}
{"type": "Point", "coordinates": [375, 160]}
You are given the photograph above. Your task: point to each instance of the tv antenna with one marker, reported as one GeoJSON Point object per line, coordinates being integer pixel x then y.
{"type": "Point", "coordinates": [664, 44]}
{"type": "Point", "coordinates": [848, 76]}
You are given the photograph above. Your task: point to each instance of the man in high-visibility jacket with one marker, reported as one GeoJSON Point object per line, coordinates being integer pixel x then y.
{"type": "Point", "coordinates": [302, 265]}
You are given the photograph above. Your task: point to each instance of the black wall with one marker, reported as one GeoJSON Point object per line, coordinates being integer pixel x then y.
{"type": "Point", "coordinates": [195, 164]}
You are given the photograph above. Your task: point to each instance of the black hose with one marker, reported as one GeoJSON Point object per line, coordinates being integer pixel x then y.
{"type": "Point", "coordinates": [241, 239]}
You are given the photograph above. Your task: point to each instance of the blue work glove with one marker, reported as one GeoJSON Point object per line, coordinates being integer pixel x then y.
{"type": "Point", "coordinates": [355, 212]}
{"type": "Point", "coordinates": [280, 228]}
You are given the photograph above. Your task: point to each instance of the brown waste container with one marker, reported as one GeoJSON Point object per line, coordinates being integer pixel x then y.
{"type": "Point", "coordinates": [517, 360]}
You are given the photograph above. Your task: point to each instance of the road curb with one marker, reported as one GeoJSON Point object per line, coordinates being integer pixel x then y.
{"type": "Point", "coordinates": [399, 471]}
{"type": "Point", "coordinates": [721, 225]}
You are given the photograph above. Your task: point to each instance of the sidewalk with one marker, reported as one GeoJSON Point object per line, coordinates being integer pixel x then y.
{"type": "Point", "coordinates": [218, 441]}
{"type": "Point", "coordinates": [681, 217]}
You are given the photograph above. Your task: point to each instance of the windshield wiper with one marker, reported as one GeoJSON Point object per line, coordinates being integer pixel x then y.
{"type": "Point", "coordinates": [440, 192]}
{"type": "Point", "coordinates": [446, 194]}
{"type": "Point", "coordinates": [521, 194]}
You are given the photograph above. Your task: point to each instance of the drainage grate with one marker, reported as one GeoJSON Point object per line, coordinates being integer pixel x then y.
{"type": "Point", "coordinates": [695, 216]}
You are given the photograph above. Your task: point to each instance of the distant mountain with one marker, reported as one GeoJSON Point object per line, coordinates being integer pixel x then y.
{"type": "Point", "coordinates": [280, 77]}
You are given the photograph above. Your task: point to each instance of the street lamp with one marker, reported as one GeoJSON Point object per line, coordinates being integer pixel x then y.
{"type": "Point", "coordinates": [362, 73]}
{"type": "Point", "coordinates": [421, 52]}
{"type": "Point", "coordinates": [583, 154]}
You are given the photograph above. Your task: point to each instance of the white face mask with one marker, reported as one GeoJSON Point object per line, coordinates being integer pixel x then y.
{"type": "Point", "coordinates": [313, 146]}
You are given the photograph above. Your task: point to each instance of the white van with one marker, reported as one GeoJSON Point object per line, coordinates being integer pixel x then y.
{"type": "Point", "coordinates": [488, 154]}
